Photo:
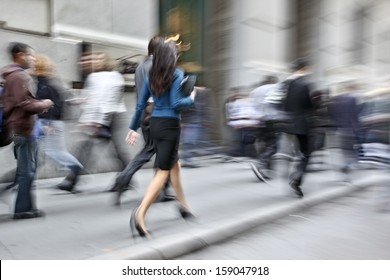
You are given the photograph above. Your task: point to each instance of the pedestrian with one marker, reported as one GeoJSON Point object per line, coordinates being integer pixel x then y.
{"type": "Point", "coordinates": [193, 129]}
{"type": "Point", "coordinates": [344, 111]}
{"type": "Point", "coordinates": [266, 133]}
{"type": "Point", "coordinates": [53, 143]}
{"type": "Point", "coordinates": [298, 105]}
{"type": "Point", "coordinates": [320, 121]}
{"type": "Point", "coordinates": [123, 180]}
{"type": "Point", "coordinates": [375, 152]}
{"type": "Point", "coordinates": [103, 100]}
{"type": "Point", "coordinates": [163, 84]}
{"type": "Point", "coordinates": [242, 120]}
{"type": "Point", "coordinates": [20, 109]}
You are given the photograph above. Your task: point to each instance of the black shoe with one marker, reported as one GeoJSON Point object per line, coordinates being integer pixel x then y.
{"type": "Point", "coordinates": [69, 189]}
{"type": "Point", "coordinates": [185, 214]}
{"type": "Point", "coordinates": [119, 188]}
{"type": "Point", "coordinates": [259, 174]}
{"type": "Point", "coordinates": [114, 188]}
{"type": "Point", "coordinates": [168, 197]}
{"type": "Point", "coordinates": [118, 194]}
{"type": "Point", "coordinates": [135, 226]}
{"type": "Point", "coordinates": [165, 198]}
{"type": "Point", "coordinates": [29, 214]}
{"type": "Point", "coordinates": [66, 187]}
{"type": "Point", "coordinates": [295, 186]}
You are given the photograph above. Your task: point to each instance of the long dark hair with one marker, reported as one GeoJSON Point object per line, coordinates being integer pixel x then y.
{"type": "Point", "coordinates": [163, 67]}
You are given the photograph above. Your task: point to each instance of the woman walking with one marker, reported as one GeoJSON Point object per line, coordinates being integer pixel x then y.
{"type": "Point", "coordinates": [164, 86]}
{"type": "Point", "coordinates": [53, 143]}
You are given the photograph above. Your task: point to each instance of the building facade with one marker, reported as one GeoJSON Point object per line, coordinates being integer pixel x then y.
{"type": "Point", "coordinates": [232, 43]}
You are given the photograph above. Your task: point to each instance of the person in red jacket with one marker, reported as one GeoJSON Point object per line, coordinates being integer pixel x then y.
{"type": "Point", "coordinates": [20, 109]}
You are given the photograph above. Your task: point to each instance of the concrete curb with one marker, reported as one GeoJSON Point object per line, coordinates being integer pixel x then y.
{"type": "Point", "coordinates": [173, 246]}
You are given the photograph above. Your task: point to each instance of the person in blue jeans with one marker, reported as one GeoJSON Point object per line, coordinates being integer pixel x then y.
{"type": "Point", "coordinates": [53, 142]}
{"type": "Point", "coordinates": [163, 84]}
{"type": "Point", "coordinates": [20, 109]}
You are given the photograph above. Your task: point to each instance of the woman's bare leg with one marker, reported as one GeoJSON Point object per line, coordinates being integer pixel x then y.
{"type": "Point", "coordinates": [154, 189]}
{"type": "Point", "coordinates": [175, 176]}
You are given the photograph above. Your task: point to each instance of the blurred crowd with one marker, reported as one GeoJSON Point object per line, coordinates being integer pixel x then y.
{"type": "Point", "coordinates": [296, 117]}
{"type": "Point", "coordinates": [35, 106]}
{"type": "Point", "coordinates": [291, 117]}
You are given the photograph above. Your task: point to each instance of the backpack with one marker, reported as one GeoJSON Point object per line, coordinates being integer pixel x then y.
{"type": "Point", "coordinates": [6, 136]}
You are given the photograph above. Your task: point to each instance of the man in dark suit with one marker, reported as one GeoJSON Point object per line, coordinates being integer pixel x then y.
{"type": "Point", "coordinates": [298, 104]}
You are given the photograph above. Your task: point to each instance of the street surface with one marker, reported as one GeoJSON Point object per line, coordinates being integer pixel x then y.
{"type": "Point", "coordinates": [346, 229]}
{"type": "Point", "coordinates": [88, 225]}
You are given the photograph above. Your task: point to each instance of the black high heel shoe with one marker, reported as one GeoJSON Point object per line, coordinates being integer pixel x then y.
{"type": "Point", "coordinates": [185, 214]}
{"type": "Point", "coordinates": [134, 226]}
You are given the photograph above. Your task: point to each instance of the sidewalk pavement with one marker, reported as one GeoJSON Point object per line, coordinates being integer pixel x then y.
{"type": "Point", "coordinates": [227, 199]}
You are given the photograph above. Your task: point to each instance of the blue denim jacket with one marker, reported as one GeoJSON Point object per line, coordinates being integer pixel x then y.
{"type": "Point", "coordinates": [168, 105]}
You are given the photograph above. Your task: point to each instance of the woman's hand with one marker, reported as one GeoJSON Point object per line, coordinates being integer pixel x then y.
{"type": "Point", "coordinates": [132, 137]}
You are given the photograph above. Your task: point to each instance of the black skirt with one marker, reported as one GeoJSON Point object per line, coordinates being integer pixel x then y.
{"type": "Point", "coordinates": [166, 137]}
